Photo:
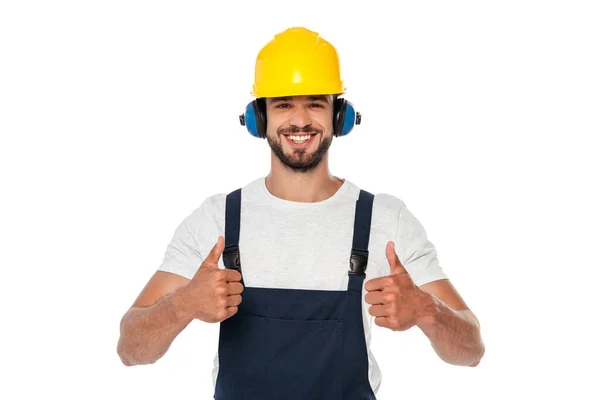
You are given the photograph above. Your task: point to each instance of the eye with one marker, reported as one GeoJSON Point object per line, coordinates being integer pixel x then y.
{"type": "Point", "coordinates": [317, 105]}
{"type": "Point", "coordinates": [283, 105]}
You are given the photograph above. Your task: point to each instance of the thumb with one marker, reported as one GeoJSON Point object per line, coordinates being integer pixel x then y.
{"type": "Point", "coordinates": [396, 266]}
{"type": "Point", "coordinates": [213, 257]}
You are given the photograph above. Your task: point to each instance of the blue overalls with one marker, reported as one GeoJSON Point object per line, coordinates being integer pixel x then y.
{"type": "Point", "coordinates": [295, 343]}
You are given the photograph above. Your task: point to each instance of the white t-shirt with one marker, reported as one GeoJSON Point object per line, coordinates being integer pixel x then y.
{"type": "Point", "coordinates": [296, 245]}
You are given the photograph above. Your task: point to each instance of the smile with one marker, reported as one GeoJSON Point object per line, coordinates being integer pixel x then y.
{"type": "Point", "coordinates": [299, 139]}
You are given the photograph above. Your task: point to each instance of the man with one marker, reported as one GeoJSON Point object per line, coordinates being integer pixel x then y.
{"type": "Point", "coordinates": [301, 257]}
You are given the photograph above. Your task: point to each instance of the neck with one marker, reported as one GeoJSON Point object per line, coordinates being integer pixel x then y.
{"type": "Point", "coordinates": [305, 187]}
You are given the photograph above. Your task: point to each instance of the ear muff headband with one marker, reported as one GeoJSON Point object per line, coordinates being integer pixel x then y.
{"type": "Point", "coordinates": [344, 118]}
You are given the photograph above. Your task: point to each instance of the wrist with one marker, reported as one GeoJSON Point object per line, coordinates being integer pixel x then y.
{"type": "Point", "coordinates": [181, 305]}
{"type": "Point", "coordinates": [430, 310]}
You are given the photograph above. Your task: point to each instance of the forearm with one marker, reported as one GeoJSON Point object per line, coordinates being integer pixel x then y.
{"type": "Point", "coordinates": [147, 332]}
{"type": "Point", "coordinates": [454, 335]}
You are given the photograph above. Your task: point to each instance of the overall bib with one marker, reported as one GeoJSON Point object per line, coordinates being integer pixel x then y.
{"type": "Point", "coordinates": [295, 343]}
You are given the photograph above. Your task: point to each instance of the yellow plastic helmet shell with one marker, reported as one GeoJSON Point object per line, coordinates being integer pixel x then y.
{"type": "Point", "coordinates": [297, 62]}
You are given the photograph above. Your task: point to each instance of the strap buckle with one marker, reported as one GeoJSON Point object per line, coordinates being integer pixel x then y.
{"type": "Point", "coordinates": [358, 261]}
{"type": "Point", "coordinates": [231, 257]}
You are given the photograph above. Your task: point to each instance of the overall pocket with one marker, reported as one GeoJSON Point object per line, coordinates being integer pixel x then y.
{"type": "Point", "coordinates": [268, 358]}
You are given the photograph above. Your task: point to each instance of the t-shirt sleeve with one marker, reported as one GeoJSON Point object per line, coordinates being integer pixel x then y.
{"type": "Point", "coordinates": [415, 251]}
{"type": "Point", "coordinates": [182, 255]}
{"type": "Point", "coordinates": [195, 237]}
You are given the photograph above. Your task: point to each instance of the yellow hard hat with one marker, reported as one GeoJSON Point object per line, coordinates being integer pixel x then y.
{"type": "Point", "coordinates": [297, 62]}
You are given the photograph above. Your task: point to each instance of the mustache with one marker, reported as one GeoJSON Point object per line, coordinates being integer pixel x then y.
{"type": "Point", "coordinates": [296, 129]}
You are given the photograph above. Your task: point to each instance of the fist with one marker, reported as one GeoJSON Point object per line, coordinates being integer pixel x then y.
{"type": "Point", "coordinates": [396, 302]}
{"type": "Point", "coordinates": [213, 294]}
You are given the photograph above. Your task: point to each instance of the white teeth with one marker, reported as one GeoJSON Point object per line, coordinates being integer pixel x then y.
{"type": "Point", "coordinates": [299, 139]}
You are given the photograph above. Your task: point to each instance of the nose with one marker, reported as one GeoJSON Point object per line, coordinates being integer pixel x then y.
{"type": "Point", "coordinates": [300, 117]}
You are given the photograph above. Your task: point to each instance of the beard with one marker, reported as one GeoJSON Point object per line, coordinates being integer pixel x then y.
{"type": "Point", "coordinates": [300, 160]}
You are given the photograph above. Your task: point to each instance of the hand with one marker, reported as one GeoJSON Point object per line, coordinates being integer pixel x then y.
{"type": "Point", "coordinates": [396, 302]}
{"type": "Point", "coordinates": [213, 294]}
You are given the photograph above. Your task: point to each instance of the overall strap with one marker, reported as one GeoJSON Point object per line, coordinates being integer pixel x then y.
{"type": "Point", "coordinates": [231, 252]}
{"type": "Point", "coordinates": [360, 243]}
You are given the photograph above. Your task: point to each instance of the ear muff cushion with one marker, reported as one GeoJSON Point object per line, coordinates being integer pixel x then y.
{"type": "Point", "coordinates": [339, 112]}
{"type": "Point", "coordinates": [260, 113]}
{"type": "Point", "coordinates": [344, 117]}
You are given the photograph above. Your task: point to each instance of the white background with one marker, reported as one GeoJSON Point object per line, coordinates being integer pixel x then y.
{"type": "Point", "coordinates": [119, 117]}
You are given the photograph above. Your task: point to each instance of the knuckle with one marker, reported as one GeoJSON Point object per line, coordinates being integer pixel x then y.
{"type": "Point", "coordinates": [230, 275]}
{"type": "Point", "coordinates": [221, 290]}
{"type": "Point", "coordinates": [220, 274]}
{"type": "Point", "coordinates": [390, 297]}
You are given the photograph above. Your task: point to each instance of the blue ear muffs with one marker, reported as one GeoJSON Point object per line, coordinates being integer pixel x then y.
{"type": "Point", "coordinates": [255, 118]}
{"type": "Point", "coordinates": [344, 118]}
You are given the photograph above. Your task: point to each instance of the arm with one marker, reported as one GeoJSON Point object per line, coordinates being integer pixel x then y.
{"type": "Point", "coordinates": [169, 302]}
{"type": "Point", "coordinates": [452, 328]}
{"type": "Point", "coordinates": [436, 308]}
{"type": "Point", "coordinates": [154, 320]}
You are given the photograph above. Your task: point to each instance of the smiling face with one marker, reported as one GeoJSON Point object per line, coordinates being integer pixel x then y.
{"type": "Point", "coordinates": [300, 129]}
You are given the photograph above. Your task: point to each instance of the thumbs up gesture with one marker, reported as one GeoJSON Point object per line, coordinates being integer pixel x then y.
{"type": "Point", "coordinates": [396, 302]}
{"type": "Point", "coordinates": [213, 294]}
